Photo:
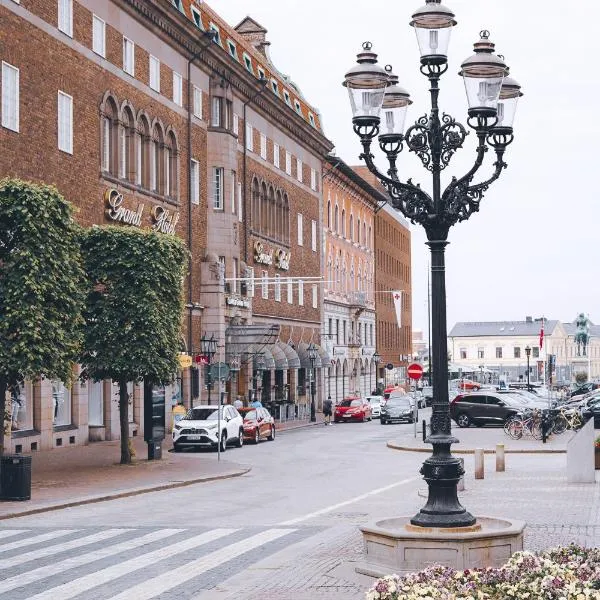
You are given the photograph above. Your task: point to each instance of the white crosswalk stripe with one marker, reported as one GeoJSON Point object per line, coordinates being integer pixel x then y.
{"type": "Point", "coordinates": [52, 550]}
{"type": "Point", "coordinates": [56, 568]}
{"type": "Point", "coordinates": [44, 537]}
{"type": "Point", "coordinates": [157, 585]}
{"type": "Point", "coordinates": [84, 584]}
{"type": "Point", "coordinates": [5, 533]}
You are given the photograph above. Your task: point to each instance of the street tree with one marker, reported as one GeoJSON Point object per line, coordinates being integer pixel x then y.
{"type": "Point", "coordinates": [41, 287]}
{"type": "Point", "coordinates": [134, 310]}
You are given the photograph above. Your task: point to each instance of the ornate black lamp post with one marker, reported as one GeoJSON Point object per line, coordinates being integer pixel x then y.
{"type": "Point", "coordinates": [379, 108]}
{"type": "Point", "coordinates": [313, 354]}
{"type": "Point", "coordinates": [376, 360]}
{"type": "Point", "coordinates": [528, 354]}
{"type": "Point", "coordinates": [208, 347]}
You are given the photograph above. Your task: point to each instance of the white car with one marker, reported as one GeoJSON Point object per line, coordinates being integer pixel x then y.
{"type": "Point", "coordinates": [375, 402]}
{"type": "Point", "coordinates": [200, 428]}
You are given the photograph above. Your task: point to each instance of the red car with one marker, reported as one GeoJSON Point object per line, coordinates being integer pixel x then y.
{"type": "Point", "coordinates": [258, 424]}
{"type": "Point", "coordinates": [467, 384]}
{"type": "Point", "coordinates": [352, 408]}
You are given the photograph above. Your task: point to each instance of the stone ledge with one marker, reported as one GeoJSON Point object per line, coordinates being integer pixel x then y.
{"type": "Point", "coordinates": [395, 446]}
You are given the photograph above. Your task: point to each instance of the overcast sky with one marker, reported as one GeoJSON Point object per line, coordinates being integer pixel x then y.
{"type": "Point", "coordinates": [533, 247]}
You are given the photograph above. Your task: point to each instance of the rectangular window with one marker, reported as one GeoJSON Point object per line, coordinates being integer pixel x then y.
{"type": "Point", "coordinates": [218, 188]}
{"type": "Point", "coordinates": [232, 193]}
{"type": "Point", "coordinates": [177, 89]}
{"type": "Point", "coordinates": [239, 198]}
{"type": "Point", "coordinates": [154, 73]}
{"type": "Point", "coordinates": [65, 122]}
{"type": "Point", "coordinates": [463, 353]}
{"type": "Point", "coordinates": [288, 163]}
{"type": "Point", "coordinates": [65, 16]}
{"type": "Point", "coordinates": [290, 291]}
{"type": "Point", "coordinates": [235, 275]}
{"type": "Point", "coordinates": [299, 170]}
{"type": "Point", "coordinates": [277, 288]}
{"type": "Point", "coordinates": [536, 352]}
{"type": "Point", "coordinates": [250, 281]}
{"type": "Point", "coordinates": [313, 236]}
{"type": "Point", "coordinates": [300, 292]}
{"type": "Point", "coordinates": [263, 146]}
{"type": "Point", "coordinates": [10, 97]}
{"type": "Point", "coordinates": [128, 56]}
{"type": "Point", "coordinates": [517, 352]}
{"type": "Point", "coordinates": [315, 296]}
{"type": "Point", "coordinates": [98, 36]}
{"type": "Point", "coordinates": [480, 353]}
{"type": "Point", "coordinates": [313, 180]}
{"type": "Point", "coordinates": [217, 105]}
{"type": "Point", "coordinates": [498, 352]}
{"type": "Point", "coordinates": [236, 124]}
{"type": "Point", "coordinates": [195, 167]}
{"type": "Point", "coordinates": [265, 285]}
{"type": "Point", "coordinates": [300, 230]}
{"type": "Point", "coordinates": [249, 136]}
{"type": "Point", "coordinates": [197, 102]}
{"type": "Point", "coordinates": [276, 155]}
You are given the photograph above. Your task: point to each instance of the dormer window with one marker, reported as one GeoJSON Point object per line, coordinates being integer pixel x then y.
{"type": "Point", "coordinates": [248, 63]}
{"type": "Point", "coordinates": [298, 107]}
{"type": "Point", "coordinates": [197, 17]}
{"type": "Point", "coordinates": [232, 49]}
{"type": "Point", "coordinates": [275, 87]}
{"type": "Point", "coordinates": [217, 37]}
{"type": "Point", "coordinates": [286, 97]}
{"type": "Point", "coordinates": [261, 73]}
{"type": "Point", "coordinates": [177, 4]}
{"type": "Point", "coordinates": [311, 119]}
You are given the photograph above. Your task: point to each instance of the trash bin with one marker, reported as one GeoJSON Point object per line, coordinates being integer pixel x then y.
{"type": "Point", "coordinates": [15, 477]}
{"type": "Point", "coordinates": [155, 450]}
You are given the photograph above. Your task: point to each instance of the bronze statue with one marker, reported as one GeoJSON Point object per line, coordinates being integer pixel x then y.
{"type": "Point", "coordinates": [582, 334]}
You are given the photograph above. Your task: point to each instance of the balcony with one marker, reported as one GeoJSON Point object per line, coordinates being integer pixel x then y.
{"type": "Point", "coordinates": [357, 299]}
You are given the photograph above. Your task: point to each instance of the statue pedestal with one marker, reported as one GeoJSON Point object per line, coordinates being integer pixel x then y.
{"type": "Point", "coordinates": [580, 364]}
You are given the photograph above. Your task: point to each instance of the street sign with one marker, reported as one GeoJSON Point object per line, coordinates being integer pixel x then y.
{"type": "Point", "coordinates": [415, 371]}
{"type": "Point", "coordinates": [219, 370]}
{"type": "Point", "coordinates": [185, 360]}
{"type": "Point", "coordinates": [201, 359]}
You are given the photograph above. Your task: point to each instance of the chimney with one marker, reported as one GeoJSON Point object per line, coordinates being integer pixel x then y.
{"type": "Point", "coordinates": [255, 34]}
{"type": "Point", "coordinates": [528, 319]}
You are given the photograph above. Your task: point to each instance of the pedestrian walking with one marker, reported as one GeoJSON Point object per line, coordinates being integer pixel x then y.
{"type": "Point", "coordinates": [327, 406]}
{"type": "Point", "coordinates": [238, 402]}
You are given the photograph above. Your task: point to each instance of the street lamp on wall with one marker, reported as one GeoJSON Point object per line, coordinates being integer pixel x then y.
{"type": "Point", "coordinates": [528, 354]}
{"type": "Point", "coordinates": [378, 109]}
{"type": "Point", "coordinates": [208, 347]}
{"type": "Point", "coordinates": [313, 354]}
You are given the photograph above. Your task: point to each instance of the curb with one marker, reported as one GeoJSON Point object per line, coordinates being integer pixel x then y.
{"type": "Point", "coordinates": [394, 446]}
{"type": "Point", "coordinates": [125, 494]}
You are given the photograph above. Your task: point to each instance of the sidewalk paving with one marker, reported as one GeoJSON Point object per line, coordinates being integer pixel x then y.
{"type": "Point", "coordinates": [77, 475]}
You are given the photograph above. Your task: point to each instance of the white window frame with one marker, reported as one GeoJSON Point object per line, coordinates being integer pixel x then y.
{"type": "Point", "coordinates": [300, 230]}
{"type": "Point", "coordinates": [263, 146]}
{"type": "Point", "coordinates": [315, 296]}
{"type": "Point", "coordinates": [65, 128]}
{"type": "Point", "coordinates": [299, 169]}
{"type": "Point", "coordinates": [10, 98]}
{"type": "Point", "coordinates": [249, 137]}
{"type": "Point", "coordinates": [313, 179]}
{"type": "Point", "coordinates": [300, 292]}
{"type": "Point", "coordinates": [276, 155]}
{"type": "Point", "coordinates": [232, 193]}
{"type": "Point", "coordinates": [288, 163]}
{"type": "Point", "coordinates": [218, 176]}
{"type": "Point", "coordinates": [235, 274]}
{"type": "Point", "coordinates": [290, 291]}
{"type": "Point", "coordinates": [236, 124]}
{"type": "Point", "coordinates": [154, 79]}
{"type": "Point", "coordinates": [313, 236]}
{"type": "Point", "coordinates": [239, 200]}
{"type": "Point", "coordinates": [99, 36]}
{"type": "Point", "coordinates": [195, 181]}
{"type": "Point", "coordinates": [250, 282]}
{"type": "Point", "coordinates": [128, 53]}
{"type": "Point", "coordinates": [65, 17]}
{"type": "Point", "coordinates": [177, 89]}
{"type": "Point", "coordinates": [277, 288]}
{"type": "Point", "coordinates": [265, 285]}
{"type": "Point", "coordinates": [197, 102]}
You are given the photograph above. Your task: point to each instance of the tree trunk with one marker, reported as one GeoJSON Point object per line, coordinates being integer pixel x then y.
{"type": "Point", "coordinates": [124, 420]}
{"type": "Point", "coordinates": [3, 387]}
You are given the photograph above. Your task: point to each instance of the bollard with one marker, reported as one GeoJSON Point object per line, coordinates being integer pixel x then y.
{"type": "Point", "coordinates": [424, 429]}
{"type": "Point", "coordinates": [500, 462]}
{"type": "Point", "coordinates": [461, 482]}
{"type": "Point", "coordinates": [479, 464]}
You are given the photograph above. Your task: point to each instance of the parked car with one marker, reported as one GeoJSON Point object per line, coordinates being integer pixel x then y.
{"type": "Point", "coordinates": [375, 402]}
{"type": "Point", "coordinates": [200, 428]}
{"type": "Point", "coordinates": [352, 408]}
{"type": "Point", "coordinates": [258, 424]}
{"type": "Point", "coordinates": [398, 409]}
{"type": "Point", "coordinates": [489, 408]}
{"type": "Point", "coordinates": [592, 410]}
{"type": "Point", "coordinates": [584, 389]}
{"type": "Point", "coordinates": [465, 384]}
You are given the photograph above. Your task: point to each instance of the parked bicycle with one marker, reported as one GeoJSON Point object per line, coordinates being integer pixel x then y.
{"type": "Point", "coordinates": [529, 422]}
{"type": "Point", "coordinates": [566, 419]}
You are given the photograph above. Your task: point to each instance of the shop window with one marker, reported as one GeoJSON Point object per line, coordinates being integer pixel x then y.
{"type": "Point", "coordinates": [96, 403]}
{"type": "Point", "coordinates": [61, 399]}
{"type": "Point", "coordinates": [20, 407]}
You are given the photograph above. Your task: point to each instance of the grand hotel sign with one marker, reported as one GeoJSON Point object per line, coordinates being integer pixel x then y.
{"type": "Point", "coordinates": [163, 220]}
{"type": "Point", "coordinates": [281, 258]}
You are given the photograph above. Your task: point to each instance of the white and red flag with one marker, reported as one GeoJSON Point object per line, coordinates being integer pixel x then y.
{"type": "Point", "coordinates": [542, 335]}
{"type": "Point", "coordinates": [397, 295]}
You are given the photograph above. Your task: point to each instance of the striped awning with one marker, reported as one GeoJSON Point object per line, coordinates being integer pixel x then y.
{"type": "Point", "coordinates": [325, 358]}
{"type": "Point", "coordinates": [291, 355]}
{"type": "Point", "coordinates": [281, 361]}
{"type": "Point", "coordinates": [305, 361]}
{"type": "Point", "coordinates": [268, 360]}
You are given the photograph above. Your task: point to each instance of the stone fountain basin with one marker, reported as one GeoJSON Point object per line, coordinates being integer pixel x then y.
{"type": "Point", "coordinates": [393, 545]}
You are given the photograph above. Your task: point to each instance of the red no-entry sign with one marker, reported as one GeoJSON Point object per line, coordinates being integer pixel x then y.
{"type": "Point", "coordinates": [415, 371]}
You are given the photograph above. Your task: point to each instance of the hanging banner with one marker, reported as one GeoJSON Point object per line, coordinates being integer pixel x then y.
{"type": "Point", "coordinates": [398, 306]}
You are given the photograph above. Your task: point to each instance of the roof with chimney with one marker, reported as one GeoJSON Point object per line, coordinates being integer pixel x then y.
{"type": "Point", "coordinates": [529, 327]}
{"type": "Point", "coordinates": [247, 45]}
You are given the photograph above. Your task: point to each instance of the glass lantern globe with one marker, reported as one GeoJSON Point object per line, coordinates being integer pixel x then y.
{"type": "Point", "coordinates": [483, 74]}
{"type": "Point", "coordinates": [366, 83]}
{"type": "Point", "coordinates": [510, 92]}
{"type": "Point", "coordinates": [396, 101]}
{"type": "Point", "coordinates": [433, 25]}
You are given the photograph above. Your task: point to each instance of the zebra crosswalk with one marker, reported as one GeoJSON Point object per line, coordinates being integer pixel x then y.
{"type": "Point", "coordinates": [131, 563]}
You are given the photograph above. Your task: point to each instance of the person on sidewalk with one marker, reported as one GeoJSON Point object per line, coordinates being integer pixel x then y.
{"type": "Point", "coordinates": [327, 406]}
{"type": "Point", "coordinates": [238, 402]}
{"type": "Point", "coordinates": [256, 403]}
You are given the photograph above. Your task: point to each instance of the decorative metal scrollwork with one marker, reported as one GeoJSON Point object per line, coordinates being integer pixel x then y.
{"type": "Point", "coordinates": [417, 140]}
{"type": "Point", "coordinates": [453, 135]}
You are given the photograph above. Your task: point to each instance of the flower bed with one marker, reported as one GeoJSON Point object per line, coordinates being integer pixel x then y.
{"type": "Point", "coordinates": [570, 573]}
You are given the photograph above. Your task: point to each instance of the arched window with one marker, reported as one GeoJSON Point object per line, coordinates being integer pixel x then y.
{"type": "Point", "coordinates": [358, 231]}
{"type": "Point", "coordinates": [171, 170]}
{"type": "Point", "coordinates": [255, 205]}
{"type": "Point", "coordinates": [351, 228]}
{"type": "Point", "coordinates": [336, 224]}
{"type": "Point", "coordinates": [272, 213]}
{"type": "Point", "coordinates": [156, 162]}
{"type": "Point", "coordinates": [126, 145]}
{"type": "Point", "coordinates": [369, 240]}
{"type": "Point", "coordinates": [364, 235]}
{"type": "Point", "coordinates": [142, 150]}
{"type": "Point", "coordinates": [279, 218]}
{"type": "Point", "coordinates": [110, 125]}
{"type": "Point", "coordinates": [343, 222]}
{"type": "Point", "coordinates": [286, 219]}
{"type": "Point", "coordinates": [264, 209]}
{"type": "Point", "coordinates": [329, 214]}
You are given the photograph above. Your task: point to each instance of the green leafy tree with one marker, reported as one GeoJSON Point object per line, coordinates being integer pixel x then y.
{"type": "Point", "coordinates": [133, 311]}
{"type": "Point", "coordinates": [41, 286]}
